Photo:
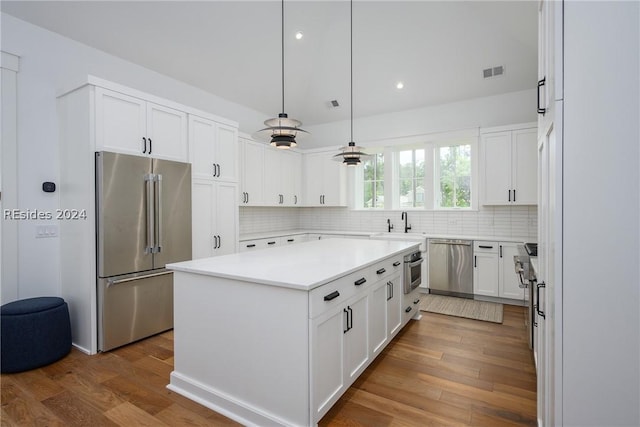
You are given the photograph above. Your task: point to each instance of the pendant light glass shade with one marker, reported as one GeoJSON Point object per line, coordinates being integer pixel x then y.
{"type": "Point", "coordinates": [283, 129]}
{"type": "Point", "coordinates": [351, 154]}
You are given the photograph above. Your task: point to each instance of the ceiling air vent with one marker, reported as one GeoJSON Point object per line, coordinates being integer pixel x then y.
{"type": "Point", "coordinates": [493, 71]}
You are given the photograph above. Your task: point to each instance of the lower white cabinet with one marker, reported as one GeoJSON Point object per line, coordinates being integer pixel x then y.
{"type": "Point", "coordinates": [493, 270]}
{"type": "Point", "coordinates": [215, 218]}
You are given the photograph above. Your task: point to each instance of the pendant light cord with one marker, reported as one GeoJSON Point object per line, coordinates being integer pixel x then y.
{"type": "Point", "coordinates": [283, 56]}
{"type": "Point", "coordinates": [351, 54]}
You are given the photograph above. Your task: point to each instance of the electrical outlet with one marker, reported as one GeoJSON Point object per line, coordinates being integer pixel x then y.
{"type": "Point", "coordinates": [46, 231]}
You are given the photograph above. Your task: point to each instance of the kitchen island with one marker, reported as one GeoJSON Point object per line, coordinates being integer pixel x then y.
{"type": "Point", "coordinates": [275, 336]}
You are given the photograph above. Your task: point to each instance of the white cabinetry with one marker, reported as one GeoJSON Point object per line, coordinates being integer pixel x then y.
{"type": "Point", "coordinates": [486, 273]}
{"type": "Point", "coordinates": [325, 183]}
{"type": "Point", "coordinates": [252, 172]}
{"type": "Point", "coordinates": [213, 149]}
{"type": "Point", "coordinates": [493, 271]}
{"type": "Point", "coordinates": [509, 167]}
{"type": "Point", "coordinates": [127, 124]}
{"type": "Point", "coordinates": [215, 218]}
{"type": "Point", "coordinates": [283, 173]}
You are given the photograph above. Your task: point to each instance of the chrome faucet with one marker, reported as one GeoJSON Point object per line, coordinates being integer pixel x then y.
{"type": "Point", "coordinates": [405, 216]}
{"type": "Point", "coordinates": [389, 225]}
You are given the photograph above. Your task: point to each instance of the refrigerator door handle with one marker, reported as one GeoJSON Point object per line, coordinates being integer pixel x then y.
{"type": "Point", "coordinates": [112, 282]}
{"type": "Point", "coordinates": [149, 178]}
{"type": "Point", "coordinates": [158, 214]}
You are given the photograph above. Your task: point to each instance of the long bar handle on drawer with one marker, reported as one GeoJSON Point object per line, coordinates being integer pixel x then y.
{"type": "Point", "coordinates": [360, 281]}
{"type": "Point", "coordinates": [397, 263]}
{"type": "Point", "coordinates": [381, 271]}
{"type": "Point", "coordinates": [485, 247]}
{"type": "Point", "coordinates": [332, 295]}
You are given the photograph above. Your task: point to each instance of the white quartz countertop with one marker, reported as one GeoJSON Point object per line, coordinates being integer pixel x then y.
{"type": "Point", "coordinates": [280, 233]}
{"type": "Point", "coordinates": [303, 266]}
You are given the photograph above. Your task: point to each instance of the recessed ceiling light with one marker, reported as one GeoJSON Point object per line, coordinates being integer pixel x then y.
{"type": "Point", "coordinates": [299, 35]}
{"type": "Point", "coordinates": [399, 85]}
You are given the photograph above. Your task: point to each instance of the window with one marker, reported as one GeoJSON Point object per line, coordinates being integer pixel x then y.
{"type": "Point", "coordinates": [430, 172]}
{"type": "Point", "coordinates": [411, 178]}
{"type": "Point", "coordinates": [373, 169]}
{"type": "Point", "coordinates": [453, 176]}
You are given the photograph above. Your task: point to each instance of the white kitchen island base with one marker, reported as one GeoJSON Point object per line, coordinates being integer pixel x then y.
{"type": "Point", "coordinates": [279, 344]}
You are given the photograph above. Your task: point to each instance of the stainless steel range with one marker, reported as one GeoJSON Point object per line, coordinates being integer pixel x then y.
{"type": "Point", "coordinates": [522, 263]}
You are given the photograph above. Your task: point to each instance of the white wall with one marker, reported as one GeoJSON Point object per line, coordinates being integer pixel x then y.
{"type": "Point", "coordinates": [49, 64]}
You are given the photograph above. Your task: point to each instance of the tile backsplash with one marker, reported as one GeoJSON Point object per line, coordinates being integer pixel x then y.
{"type": "Point", "coordinates": [490, 221]}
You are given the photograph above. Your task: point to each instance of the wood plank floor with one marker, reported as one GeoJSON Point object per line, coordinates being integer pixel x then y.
{"type": "Point", "coordinates": [438, 371]}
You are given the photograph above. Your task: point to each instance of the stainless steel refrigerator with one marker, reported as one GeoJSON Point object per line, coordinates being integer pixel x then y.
{"type": "Point", "coordinates": [143, 222]}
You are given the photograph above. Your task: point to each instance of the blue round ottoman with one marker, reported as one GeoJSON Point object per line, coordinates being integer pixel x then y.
{"type": "Point", "coordinates": [33, 332]}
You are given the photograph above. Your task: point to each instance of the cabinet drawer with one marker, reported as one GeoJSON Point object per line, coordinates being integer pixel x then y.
{"type": "Point", "coordinates": [485, 246]}
{"type": "Point", "coordinates": [387, 268]}
{"type": "Point", "coordinates": [335, 293]}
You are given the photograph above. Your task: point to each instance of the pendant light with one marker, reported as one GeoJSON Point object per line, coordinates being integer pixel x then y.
{"type": "Point", "coordinates": [283, 129]}
{"type": "Point", "coordinates": [351, 154]}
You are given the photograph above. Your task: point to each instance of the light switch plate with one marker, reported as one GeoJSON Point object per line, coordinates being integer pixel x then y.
{"type": "Point", "coordinates": [46, 231]}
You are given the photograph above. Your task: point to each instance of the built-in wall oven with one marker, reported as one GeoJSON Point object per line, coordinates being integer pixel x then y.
{"type": "Point", "coordinates": [412, 271]}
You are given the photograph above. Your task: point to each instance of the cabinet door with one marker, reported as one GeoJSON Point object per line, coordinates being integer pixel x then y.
{"type": "Point", "coordinates": [226, 211]}
{"type": "Point", "coordinates": [333, 180]}
{"type": "Point", "coordinates": [327, 350]}
{"type": "Point", "coordinates": [253, 173]}
{"type": "Point", "coordinates": [167, 133]}
{"type": "Point", "coordinates": [394, 306]}
{"type": "Point", "coordinates": [313, 176]}
{"type": "Point", "coordinates": [496, 168]}
{"type": "Point", "coordinates": [509, 280]}
{"type": "Point", "coordinates": [486, 275]}
{"type": "Point", "coordinates": [272, 178]}
{"type": "Point", "coordinates": [378, 317]}
{"type": "Point", "coordinates": [120, 123]}
{"type": "Point", "coordinates": [202, 228]}
{"type": "Point", "coordinates": [290, 178]}
{"type": "Point", "coordinates": [525, 167]}
{"type": "Point", "coordinates": [226, 153]}
{"type": "Point", "coordinates": [356, 345]}
{"type": "Point", "coordinates": [202, 140]}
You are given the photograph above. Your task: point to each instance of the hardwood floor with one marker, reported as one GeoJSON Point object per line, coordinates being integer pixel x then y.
{"type": "Point", "coordinates": [439, 371]}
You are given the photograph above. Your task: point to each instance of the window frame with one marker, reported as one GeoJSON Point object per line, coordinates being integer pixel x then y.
{"type": "Point", "coordinates": [473, 187]}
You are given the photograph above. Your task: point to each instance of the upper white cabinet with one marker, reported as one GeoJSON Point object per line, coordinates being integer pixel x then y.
{"type": "Point", "coordinates": [213, 149]}
{"type": "Point", "coordinates": [252, 173]}
{"type": "Point", "coordinates": [509, 167]}
{"type": "Point", "coordinates": [131, 125]}
{"type": "Point", "coordinates": [324, 180]}
{"type": "Point", "coordinates": [283, 173]}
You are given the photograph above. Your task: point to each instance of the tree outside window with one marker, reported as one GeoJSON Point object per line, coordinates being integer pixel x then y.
{"type": "Point", "coordinates": [373, 169]}
{"type": "Point", "coordinates": [455, 176]}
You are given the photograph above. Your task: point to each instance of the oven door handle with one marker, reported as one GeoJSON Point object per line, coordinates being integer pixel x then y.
{"type": "Point", "coordinates": [415, 263]}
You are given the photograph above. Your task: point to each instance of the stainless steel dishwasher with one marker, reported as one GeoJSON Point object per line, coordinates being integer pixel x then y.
{"type": "Point", "coordinates": [451, 267]}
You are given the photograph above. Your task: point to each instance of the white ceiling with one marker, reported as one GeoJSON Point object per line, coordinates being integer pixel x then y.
{"type": "Point", "coordinates": [232, 48]}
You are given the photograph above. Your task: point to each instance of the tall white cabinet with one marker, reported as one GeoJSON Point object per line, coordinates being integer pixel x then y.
{"type": "Point", "coordinates": [588, 210]}
{"type": "Point", "coordinates": [214, 155]}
